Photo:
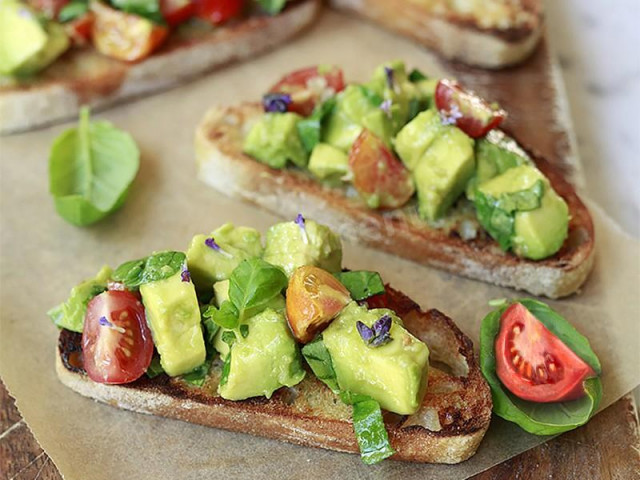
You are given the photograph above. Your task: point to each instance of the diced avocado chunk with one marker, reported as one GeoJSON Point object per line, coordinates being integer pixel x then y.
{"type": "Point", "coordinates": [27, 43]}
{"type": "Point", "coordinates": [426, 90]}
{"type": "Point", "coordinates": [443, 172]}
{"type": "Point", "coordinates": [536, 232]}
{"type": "Point", "coordinates": [394, 374]}
{"type": "Point", "coordinates": [70, 314]}
{"type": "Point", "coordinates": [221, 291]}
{"type": "Point", "coordinates": [412, 141]}
{"type": "Point", "coordinates": [395, 87]}
{"type": "Point", "coordinates": [173, 316]}
{"type": "Point", "coordinates": [290, 246]}
{"type": "Point", "coordinates": [208, 265]}
{"type": "Point", "coordinates": [328, 162]}
{"type": "Point", "coordinates": [495, 154]}
{"type": "Point", "coordinates": [274, 140]}
{"type": "Point", "coordinates": [266, 360]}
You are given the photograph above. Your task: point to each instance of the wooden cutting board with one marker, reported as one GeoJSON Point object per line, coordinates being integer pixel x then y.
{"type": "Point", "coordinates": [607, 447]}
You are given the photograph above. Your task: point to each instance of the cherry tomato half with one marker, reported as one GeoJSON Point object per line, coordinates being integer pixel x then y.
{"type": "Point", "coordinates": [177, 11]}
{"type": "Point", "coordinates": [124, 36]}
{"type": "Point", "coordinates": [378, 176]}
{"type": "Point", "coordinates": [470, 113]}
{"type": "Point", "coordinates": [533, 363]}
{"type": "Point", "coordinates": [309, 86]}
{"type": "Point", "coordinates": [79, 29]}
{"type": "Point", "coordinates": [116, 341]}
{"type": "Point", "coordinates": [218, 11]}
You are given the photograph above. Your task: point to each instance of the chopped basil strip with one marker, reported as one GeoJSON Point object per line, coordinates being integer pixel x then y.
{"type": "Point", "coordinates": [372, 96]}
{"type": "Point", "coordinates": [73, 10]}
{"type": "Point", "coordinates": [416, 75]}
{"type": "Point", "coordinates": [226, 316]}
{"type": "Point", "coordinates": [229, 337]}
{"type": "Point", "coordinates": [210, 326]}
{"type": "Point", "coordinates": [309, 129]}
{"type": "Point", "coordinates": [497, 215]}
{"type": "Point", "coordinates": [226, 367]}
{"type": "Point", "coordinates": [149, 9]}
{"type": "Point", "coordinates": [244, 330]}
{"type": "Point", "coordinates": [319, 359]}
{"type": "Point", "coordinates": [271, 6]}
{"type": "Point", "coordinates": [361, 283]}
{"type": "Point", "coordinates": [150, 269]}
{"type": "Point", "coordinates": [154, 368]}
{"type": "Point", "coordinates": [198, 375]}
{"type": "Point", "coordinates": [369, 427]}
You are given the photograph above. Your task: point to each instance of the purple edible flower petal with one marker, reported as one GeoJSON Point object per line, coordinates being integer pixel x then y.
{"type": "Point", "coordinates": [365, 332]}
{"type": "Point", "coordinates": [301, 222]}
{"type": "Point", "coordinates": [386, 107]}
{"type": "Point", "coordinates": [382, 326]}
{"type": "Point", "coordinates": [276, 102]}
{"type": "Point", "coordinates": [389, 73]}
{"type": "Point", "coordinates": [185, 275]}
{"type": "Point", "coordinates": [106, 323]}
{"type": "Point", "coordinates": [381, 340]}
{"type": "Point", "coordinates": [450, 117]}
{"type": "Point", "coordinates": [211, 243]}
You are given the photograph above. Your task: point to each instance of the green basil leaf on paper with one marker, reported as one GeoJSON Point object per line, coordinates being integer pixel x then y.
{"type": "Point", "coordinates": [155, 267]}
{"type": "Point", "coordinates": [91, 168]}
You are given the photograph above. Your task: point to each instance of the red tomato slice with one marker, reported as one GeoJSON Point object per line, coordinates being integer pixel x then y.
{"type": "Point", "coordinates": [177, 11]}
{"type": "Point", "coordinates": [116, 341]}
{"type": "Point", "coordinates": [125, 36]}
{"type": "Point", "coordinates": [218, 11]}
{"type": "Point", "coordinates": [378, 176]}
{"type": "Point", "coordinates": [79, 30]}
{"type": "Point", "coordinates": [308, 86]}
{"type": "Point", "coordinates": [470, 113]}
{"type": "Point", "coordinates": [533, 363]}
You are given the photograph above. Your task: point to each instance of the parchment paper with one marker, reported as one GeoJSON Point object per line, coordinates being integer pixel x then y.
{"type": "Point", "coordinates": [42, 257]}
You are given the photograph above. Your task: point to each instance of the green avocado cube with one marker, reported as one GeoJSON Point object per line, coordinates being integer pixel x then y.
{"type": "Point", "coordinates": [274, 140]}
{"type": "Point", "coordinates": [208, 265]}
{"type": "Point", "coordinates": [290, 246]}
{"type": "Point", "coordinates": [443, 172]}
{"type": "Point", "coordinates": [394, 374]}
{"type": "Point", "coordinates": [173, 315]}
{"type": "Point", "coordinates": [328, 162]}
{"type": "Point", "coordinates": [265, 360]}
{"type": "Point", "coordinates": [221, 292]}
{"type": "Point", "coordinates": [412, 141]}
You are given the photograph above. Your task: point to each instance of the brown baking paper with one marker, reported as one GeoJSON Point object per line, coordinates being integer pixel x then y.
{"type": "Point", "coordinates": [42, 257]}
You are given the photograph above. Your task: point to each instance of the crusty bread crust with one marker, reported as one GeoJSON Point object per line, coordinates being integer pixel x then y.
{"type": "Point", "coordinates": [84, 76]}
{"type": "Point", "coordinates": [447, 429]}
{"type": "Point", "coordinates": [454, 35]}
{"type": "Point", "coordinates": [286, 192]}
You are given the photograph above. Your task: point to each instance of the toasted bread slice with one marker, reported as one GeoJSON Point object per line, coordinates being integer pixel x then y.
{"type": "Point", "coordinates": [84, 76]}
{"type": "Point", "coordinates": [401, 232]}
{"type": "Point", "coordinates": [448, 427]}
{"type": "Point", "coordinates": [486, 33]}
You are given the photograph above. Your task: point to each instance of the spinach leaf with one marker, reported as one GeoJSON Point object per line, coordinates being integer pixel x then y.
{"type": "Point", "coordinates": [73, 10]}
{"type": "Point", "coordinates": [310, 128]}
{"type": "Point", "coordinates": [149, 9]}
{"type": "Point", "coordinates": [361, 283]}
{"type": "Point", "coordinates": [540, 418]}
{"type": "Point", "coordinates": [253, 284]}
{"type": "Point", "coordinates": [497, 215]}
{"type": "Point", "coordinates": [369, 427]}
{"type": "Point", "coordinates": [149, 269]}
{"type": "Point", "coordinates": [319, 359]}
{"type": "Point", "coordinates": [272, 6]}
{"type": "Point", "coordinates": [154, 368]}
{"type": "Point", "coordinates": [70, 314]}
{"type": "Point", "coordinates": [199, 374]}
{"type": "Point", "coordinates": [416, 75]}
{"type": "Point", "coordinates": [91, 168]}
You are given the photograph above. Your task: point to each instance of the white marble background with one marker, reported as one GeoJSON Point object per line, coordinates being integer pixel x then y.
{"type": "Point", "coordinates": [598, 45]}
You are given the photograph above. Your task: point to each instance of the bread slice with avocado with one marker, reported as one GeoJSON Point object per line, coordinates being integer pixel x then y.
{"type": "Point", "coordinates": [445, 244]}
{"type": "Point", "coordinates": [447, 428]}
{"type": "Point", "coordinates": [82, 76]}
{"type": "Point", "coordinates": [486, 33]}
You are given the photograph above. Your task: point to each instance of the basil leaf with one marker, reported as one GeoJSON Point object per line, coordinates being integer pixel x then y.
{"type": "Point", "coordinates": [229, 337]}
{"type": "Point", "coordinates": [73, 10]}
{"type": "Point", "coordinates": [244, 330]}
{"type": "Point", "coordinates": [253, 284]}
{"type": "Point", "coordinates": [226, 316]}
{"type": "Point", "coordinates": [310, 128]}
{"type": "Point", "coordinates": [415, 108]}
{"type": "Point", "coordinates": [319, 359]}
{"type": "Point", "coordinates": [149, 269]}
{"type": "Point", "coordinates": [91, 168]}
{"type": "Point", "coordinates": [198, 375]}
{"type": "Point", "coordinates": [210, 327]}
{"type": "Point", "coordinates": [371, 95]}
{"type": "Point", "coordinates": [271, 6]}
{"type": "Point", "coordinates": [70, 314]}
{"type": "Point", "coordinates": [369, 427]}
{"type": "Point", "coordinates": [149, 9]}
{"type": "Point", "coordinates": [416, 75]}
{"type": "Point", "coordinates": [226, 367]}
{"type": "Point", "coordinates": [540, 418]}
{"type": "Point", "coordinates": [361, 283]}
{"type": "Point", "coordinates": [154, 368]}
